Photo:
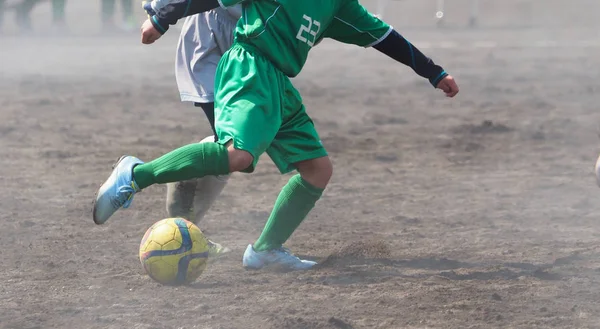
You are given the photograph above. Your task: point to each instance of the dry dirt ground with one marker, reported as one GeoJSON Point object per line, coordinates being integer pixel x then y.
{"type": "Point", "coordinates": [476, 212]}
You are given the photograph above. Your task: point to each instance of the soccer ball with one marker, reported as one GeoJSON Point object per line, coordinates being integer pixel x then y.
{"type": "Point", "coordinates": [174, 251]}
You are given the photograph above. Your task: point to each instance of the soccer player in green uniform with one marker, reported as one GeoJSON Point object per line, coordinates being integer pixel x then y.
{"type": "Point", "coordinates": [23, 11]}
{"type": "Point", "coordinates": [257, 109]}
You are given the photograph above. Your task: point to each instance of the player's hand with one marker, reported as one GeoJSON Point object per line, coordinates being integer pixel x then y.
{"type": "Point", "coordinates": [448, 86]}
{"type": "Point", "coordinates": [149, 33]}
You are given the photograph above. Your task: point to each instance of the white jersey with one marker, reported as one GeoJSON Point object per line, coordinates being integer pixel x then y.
{"type": "Point", "coordinates": [204, 38]}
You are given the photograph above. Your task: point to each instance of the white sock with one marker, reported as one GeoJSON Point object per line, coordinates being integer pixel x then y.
{"type": "Point", "coordinates": [193, 198]}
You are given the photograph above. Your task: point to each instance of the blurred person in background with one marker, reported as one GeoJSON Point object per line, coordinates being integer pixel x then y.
{"type": "Point", "coordinates": [127, 23]}
{"type": "Point", "coordinates": [23, 12]}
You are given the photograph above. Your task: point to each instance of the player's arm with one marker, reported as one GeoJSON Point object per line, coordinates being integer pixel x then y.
{"type": "Point", "coordinates": [397, 47]}
{"type": "Point", "coordinates": [400, 49]}
{"type": "Point", "coordinates": [353, 24]}
{"type": "Point", "coordinates": [168, 12]}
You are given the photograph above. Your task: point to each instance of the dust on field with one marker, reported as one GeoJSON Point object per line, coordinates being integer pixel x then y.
{"type": "Point", "coordinates": [357, 251]}
{"type": "Point", "coordinates": [476, 212]}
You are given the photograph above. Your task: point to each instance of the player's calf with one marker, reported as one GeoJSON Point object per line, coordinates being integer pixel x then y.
{"type": "Point", "coordinates": [180, 199]}
{"type": "Point", "coordinates": [191, 199]}
{"type": "Point", "coordinates": [296, 200]}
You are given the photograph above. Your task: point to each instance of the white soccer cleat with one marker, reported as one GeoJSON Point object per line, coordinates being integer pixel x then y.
{"type": "Point", "coordinates": [117, 191]}
{"type": "Point", "coordinates": [280, 257]}
{"type": "Point", "coordinates": [597, 171]}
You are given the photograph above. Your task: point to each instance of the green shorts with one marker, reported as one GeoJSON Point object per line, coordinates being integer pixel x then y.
{"type": "Point", "coordinates": [258, 108]}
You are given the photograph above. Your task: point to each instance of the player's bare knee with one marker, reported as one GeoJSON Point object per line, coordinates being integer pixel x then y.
{"type": "Point", "coordinates": [317, 172]}
{"type": "Point", "coordinates": [239, 159]}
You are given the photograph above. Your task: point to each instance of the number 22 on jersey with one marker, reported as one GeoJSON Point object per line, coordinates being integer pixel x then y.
{"type": "Point", "coordinates": [308, 32]}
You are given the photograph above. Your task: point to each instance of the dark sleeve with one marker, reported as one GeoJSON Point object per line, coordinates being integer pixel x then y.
{"type": "Point", "coordinates": [176, 9]}
{"type": "Point", "coordinates": [400, 49]}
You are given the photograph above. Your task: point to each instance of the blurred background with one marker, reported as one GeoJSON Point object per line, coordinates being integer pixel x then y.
{"type": "Point", "coordinates": [28, 16]}
{"type": "Point", "coordinates": [474, 212]}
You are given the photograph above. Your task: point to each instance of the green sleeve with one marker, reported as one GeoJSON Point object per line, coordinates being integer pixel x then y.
{"type": "Point", "coordinates": [353, 24]}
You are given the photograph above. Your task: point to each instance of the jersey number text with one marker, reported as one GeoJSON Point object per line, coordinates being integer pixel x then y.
{"type": "Point", "coordinates": [308, 33]}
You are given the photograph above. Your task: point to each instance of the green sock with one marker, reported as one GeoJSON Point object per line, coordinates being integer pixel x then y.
{"type": "Point", "coordinates": [108, 10]}
{"type": "Point", "coordinates": [191, 161]}
{"type": "Point", "coordinates": [127, 7]}
{"type": "Point", "coordinates": [295, 201]}
{"type": "Point", "coordinates": [58, 11]}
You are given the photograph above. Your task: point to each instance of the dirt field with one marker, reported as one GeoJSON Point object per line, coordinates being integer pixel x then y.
{"type": "Point", "coordinates": [476, 212]}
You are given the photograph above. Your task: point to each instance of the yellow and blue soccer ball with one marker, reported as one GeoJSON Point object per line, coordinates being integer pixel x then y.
{"type": "Point", "coordinates": [174, 251]}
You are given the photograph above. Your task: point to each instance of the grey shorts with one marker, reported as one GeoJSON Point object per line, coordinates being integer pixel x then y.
{"type": "Point", "coordinates": [204, 38]}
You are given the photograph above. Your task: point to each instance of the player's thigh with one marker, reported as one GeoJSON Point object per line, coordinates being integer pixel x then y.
{"type": "Point", "coordinates": [247, 102]}
{"type": "Point", "coordinates": [297, 139]}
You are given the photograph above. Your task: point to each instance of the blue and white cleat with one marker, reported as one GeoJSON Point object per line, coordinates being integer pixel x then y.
{"type": "Point", "coordinates": [117, 191]}
{"type": "Point", "coordinates": [281, 257]}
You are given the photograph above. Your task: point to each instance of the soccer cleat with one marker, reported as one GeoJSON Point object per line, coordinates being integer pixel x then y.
{"type": "Point", "coordinates": [216, 250]}
{"type": "Point", "coordinates": [281, 257]}
{"type": "Point", "coordinates": [117, 191]}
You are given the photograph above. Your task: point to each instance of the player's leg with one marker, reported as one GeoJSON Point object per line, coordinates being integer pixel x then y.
{"type": "Point", "coordinates": [474, 13]}
{"type": "Point", "coordinates": [198, 53]}
{"type": "Point", "coordinates": [247, 121]}
{"type": "Point", "coordinates": [209, 111]}
{"type": "Point", "coordinates": [204, 38]}
{"type": "Point", "coordinates": [23, 13]}
{"type": "Point", "coordinates": [128, 18]}
{"type": "Point", "coordinates": [58, 13]}
{"type": "Point", "coordinates": [193, 198]}
{"type": "Point", "coordinates": [295, 201]}
{"type": "Point", "coordinates": [2, 13]}
{"type": "Point", "coordinates": [296, 146]}
{"type": "Point", "coordinates": [131, 175]}
{"type": "Point", "coordinates": [297, 198]}
{"type": "Point", "coordinates": [108, 13]}
{"type": "Point", "coordinates": [195, 68]}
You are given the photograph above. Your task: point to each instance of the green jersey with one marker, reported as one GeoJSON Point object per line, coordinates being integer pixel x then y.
{"type": "Point", "coordinates": [284, 31]}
